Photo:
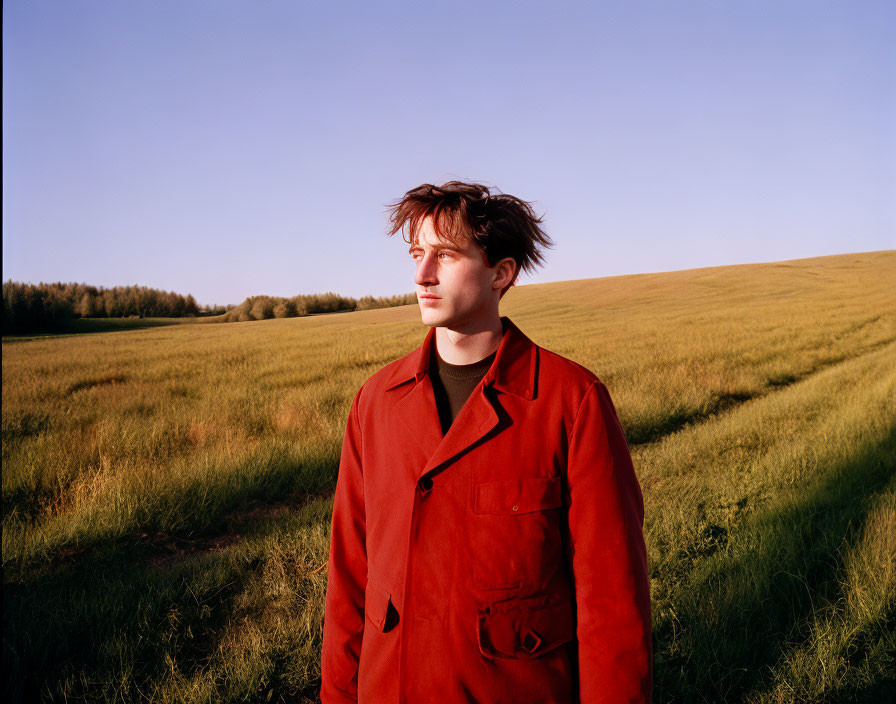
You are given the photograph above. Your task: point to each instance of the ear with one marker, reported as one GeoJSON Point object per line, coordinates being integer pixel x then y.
{"type": "Point", "coordinates": [505, 273]}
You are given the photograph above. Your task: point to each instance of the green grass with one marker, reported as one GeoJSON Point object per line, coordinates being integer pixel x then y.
{"type": "Point", "coordinates": [166, 491]}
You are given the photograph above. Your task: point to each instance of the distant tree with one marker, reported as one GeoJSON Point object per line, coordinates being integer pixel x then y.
{"type": "Point", "coordinates": [87, 307]}
{"type": "Point", "coordinates": [300, 305]}
{"type": "Point", "coordinates": [30, 308]}
{"type": "Point", "coordinates": [209, 310]}
{"type": "Point", "coordinates": [284, 308]}
{"type": "Point", "coordinates": [262, 308]}
{"type": "Point", "coordinates": [110, 304]}
{"type": "Point", "coordinates": [367, 302]}
{"type": "Point", "coordinates": [190, 305]}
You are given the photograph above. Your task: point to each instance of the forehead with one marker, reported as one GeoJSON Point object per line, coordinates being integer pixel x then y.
{"type": "Point", "coordinates": [426, 236]}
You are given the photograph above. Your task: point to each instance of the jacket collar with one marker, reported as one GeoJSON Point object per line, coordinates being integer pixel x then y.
{"type": "Point", "coordinates": [512, 371]}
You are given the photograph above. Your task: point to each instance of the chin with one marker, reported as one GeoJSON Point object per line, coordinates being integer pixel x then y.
{"type": "Point", "coordinates": [432, 318]}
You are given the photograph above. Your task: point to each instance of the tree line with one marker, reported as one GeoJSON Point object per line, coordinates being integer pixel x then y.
{"type": "Point", "coordinates": [53, 306]}
{"type": "Point", "coordinates": [264, 307]}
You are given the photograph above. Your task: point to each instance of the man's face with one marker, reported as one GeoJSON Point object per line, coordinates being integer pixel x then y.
{"type": "Point", "coordinates": [459, 278]}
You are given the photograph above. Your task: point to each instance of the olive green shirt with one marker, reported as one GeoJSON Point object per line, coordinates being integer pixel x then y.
{"type": "Point", "coordinates": [453, 383]}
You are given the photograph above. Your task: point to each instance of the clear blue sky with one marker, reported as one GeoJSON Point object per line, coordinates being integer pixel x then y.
{"type": "Point", "coordinates": [235, 148]}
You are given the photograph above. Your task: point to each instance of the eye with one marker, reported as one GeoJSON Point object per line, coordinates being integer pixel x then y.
{"type": "Point", "coordinates": [444, 254]}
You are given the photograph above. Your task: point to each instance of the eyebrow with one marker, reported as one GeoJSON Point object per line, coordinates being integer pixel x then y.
{"type": "Point", "coordinates": [438, 248]}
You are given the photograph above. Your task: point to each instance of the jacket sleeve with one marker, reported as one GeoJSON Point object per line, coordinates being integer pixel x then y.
{"type": "Point", "coordinates": [347, 574]}
{"type": "Point", "coordinates": [605, 545]}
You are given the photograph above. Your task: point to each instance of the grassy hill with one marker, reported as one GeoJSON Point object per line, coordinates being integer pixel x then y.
{"type": "Point", "coordinates": [167, 491]}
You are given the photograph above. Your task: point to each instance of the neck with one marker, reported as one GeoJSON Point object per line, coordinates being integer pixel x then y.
{"type": "Point", "coordinates": [470, 342]}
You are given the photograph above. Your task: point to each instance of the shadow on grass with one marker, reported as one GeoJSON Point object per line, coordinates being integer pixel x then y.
{"type": "Point", "coordinates": [883, 690]}
{"type": "Point", "coordinates": [102, 619]}
{"type": "Point", "coordinates": [196, 513]}
{"type": "Point", "coordinates": [647, 431]}
{"type": "Point", "coordinates": [110, 625]}
{"type": "Point", "coordinates": [106, 626]}
{"type": "Point", "coordinates": [643, 433]}
{"type": "Point", "coordinates": [746, 606]}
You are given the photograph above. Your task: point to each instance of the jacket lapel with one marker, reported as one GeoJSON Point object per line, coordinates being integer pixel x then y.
{"type": "Point", "coordinates": [513, 371]}
{"type": "Point", "coordinates": [418, 413]}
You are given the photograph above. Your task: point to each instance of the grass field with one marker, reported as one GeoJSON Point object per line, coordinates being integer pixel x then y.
{"type": "Point", "coordinates": [82, 326]}
{"type": "Point", "coordinates": [167, 491]}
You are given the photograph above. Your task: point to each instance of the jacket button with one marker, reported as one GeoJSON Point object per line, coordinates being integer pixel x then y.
{"type": "Point", "coordinates": [531, 642]}
{"type": "Point", "coordinates": [425, 484]}
{"type": "Point", "coordinates": [516, 508]}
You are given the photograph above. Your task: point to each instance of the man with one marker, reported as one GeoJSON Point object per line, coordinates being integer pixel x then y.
{"type": "Point", "coordinates": [487, 525]}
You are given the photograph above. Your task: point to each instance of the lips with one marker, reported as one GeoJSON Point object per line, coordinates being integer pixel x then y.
{"type": "Point", "coordinates": [429, 297]}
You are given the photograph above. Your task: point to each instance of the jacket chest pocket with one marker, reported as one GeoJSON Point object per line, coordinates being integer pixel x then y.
{"type": "Point", "coordinates": [515, 533]}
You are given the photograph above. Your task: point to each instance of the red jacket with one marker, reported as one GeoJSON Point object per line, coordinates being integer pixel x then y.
{"type": "Point", "coordinates": [501, 563]}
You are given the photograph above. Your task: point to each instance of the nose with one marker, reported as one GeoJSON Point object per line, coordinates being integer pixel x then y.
{"type": "Point", "coordinates": [427, 268]}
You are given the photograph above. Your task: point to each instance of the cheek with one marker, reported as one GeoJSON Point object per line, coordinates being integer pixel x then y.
{"type": "Point", "coordinates": [469, 282]}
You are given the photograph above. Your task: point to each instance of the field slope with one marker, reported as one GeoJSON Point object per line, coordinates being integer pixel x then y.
{"type": "Point", "coordinates": [167, 491]}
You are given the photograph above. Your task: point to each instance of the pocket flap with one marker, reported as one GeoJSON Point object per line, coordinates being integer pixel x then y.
{"type": "Point", "coordinates": [376, 604]}
{"type": "Point", "coordinates": [525, 632]}
{"type": "Point", "coordinates": [515, 496]}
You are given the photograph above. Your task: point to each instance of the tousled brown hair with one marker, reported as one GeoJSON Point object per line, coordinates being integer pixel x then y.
{"type": "Point", "coordinates": [502, 225]}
